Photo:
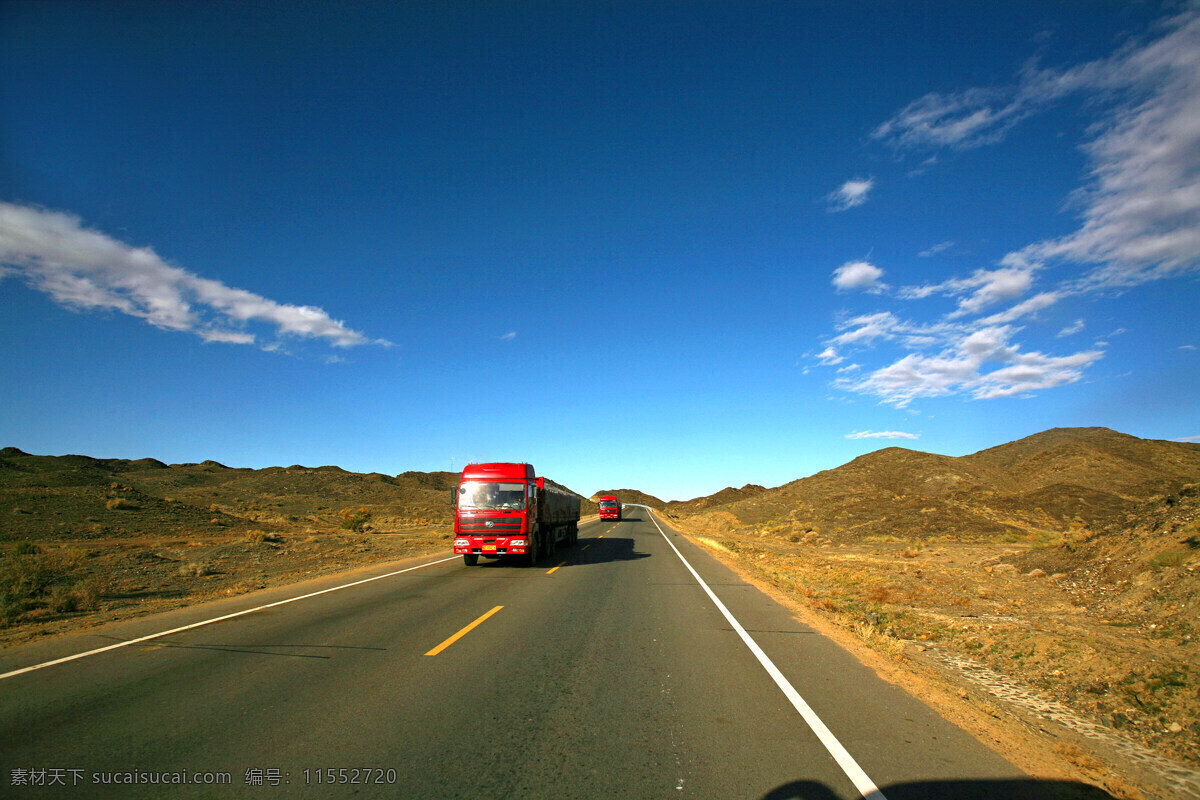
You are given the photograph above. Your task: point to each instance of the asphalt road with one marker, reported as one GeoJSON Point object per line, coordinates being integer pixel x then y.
{"type": "Point", "coordinates": [609, 672]}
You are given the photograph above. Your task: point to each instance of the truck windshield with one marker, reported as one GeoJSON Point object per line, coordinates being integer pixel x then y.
{"type": "Point", "coordinates": [608, 504]}
{"type": "Point", "coordinates": [480, 496]}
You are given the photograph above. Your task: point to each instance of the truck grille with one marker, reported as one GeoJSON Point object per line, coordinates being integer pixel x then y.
{"type": "Point", "coordinates": [502, 526]}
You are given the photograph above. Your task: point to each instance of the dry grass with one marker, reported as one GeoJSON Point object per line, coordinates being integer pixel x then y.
{"type": "Point", "coordinates": [35, 580]}
{"type": "Point", "coordinates": [121, 504]}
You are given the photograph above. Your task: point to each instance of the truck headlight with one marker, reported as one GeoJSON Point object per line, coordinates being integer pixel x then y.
{"type": "Point", "coordinates": [462, 542]}
{"type": "Point", "coordinates": [516, 542]}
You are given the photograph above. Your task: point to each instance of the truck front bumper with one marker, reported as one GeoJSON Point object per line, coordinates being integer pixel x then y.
{"type": "Point", "coordinates": [515, 546]}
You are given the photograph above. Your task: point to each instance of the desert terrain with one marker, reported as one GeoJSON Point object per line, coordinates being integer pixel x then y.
{"type": "Point", "coordinates": [1042, 593]}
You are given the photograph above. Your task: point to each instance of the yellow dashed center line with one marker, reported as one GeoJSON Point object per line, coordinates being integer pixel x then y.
{"type": "Point", "coordinates": [462, 633]}
{"type": "Point", "coordinates": [551, 572]}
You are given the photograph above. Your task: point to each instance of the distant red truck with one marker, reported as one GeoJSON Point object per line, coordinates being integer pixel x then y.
{"type": "Point", "coordinates": [610, 507]}
{"type": "Point", "coordinates": [506, 510]}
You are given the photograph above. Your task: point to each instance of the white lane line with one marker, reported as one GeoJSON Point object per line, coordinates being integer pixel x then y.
{"type": "Point", "coordinates": [65, 659]}
{"type": "Point", "coordinates": [866, 787]}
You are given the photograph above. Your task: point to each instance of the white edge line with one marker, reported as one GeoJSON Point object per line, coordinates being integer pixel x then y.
{"type": "Point", "coordinates": [65, 659]}
{"type": "Point", "coordinates": [866, 787]}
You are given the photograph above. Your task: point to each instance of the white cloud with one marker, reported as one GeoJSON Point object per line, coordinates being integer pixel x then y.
{"type": "Point", "coordinates": [882, 435]}
{"type": "Point", "coordinates": [1072, 329]}
{"type": "Point", "coordinates": [985, 287]}
{"type": "Point", "coordinates": [961, 368]}
{"type": "Point", "coordinates": [993, 286]}
{"type": "Point", "coordinates": [508, 337]}
{"type": "Point", "coordinates": [852, 193]}
{"type": "Point", "coordinates": [830, 357]}
{"type": "Point", "coordinates": [866, 329]}
{"type": "Point", "coordinates": [1187, 439]}
{"type": "Point", "coordinates": [1024, 308]}
{"type": "Point", "coordinates": [962, 120]}
{"type": "Point", "coordinates": [858, 275]}
{"type": "Point", "coordinates": [940, 247]}
{"type": "Point", "coordinates": [227, 337]}
{"type": "Point", "coordinates": [88, 270]}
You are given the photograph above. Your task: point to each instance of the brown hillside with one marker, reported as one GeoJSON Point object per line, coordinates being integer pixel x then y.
{"type": "Point", "coordinates": [721, 498]}
{"type": "Point", "coordinates": [1093, 458]}
{"type": "Point", "coordinates": [1041, 485]}
{"type": "Point", "coordinates": [1144, 561]}
{"type": "Point", "coordinates": [81, 497]}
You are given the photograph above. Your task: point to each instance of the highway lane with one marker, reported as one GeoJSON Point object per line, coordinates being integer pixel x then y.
{"type": "Point", "coordinates": [614, 676]}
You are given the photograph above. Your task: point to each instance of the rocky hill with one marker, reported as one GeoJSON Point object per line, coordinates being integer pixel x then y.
{"type": "Point", "coordinates": [78, 497]}
{"type": "Point", "coordinates": [1060, 480]}
{"type": "Point", "coordinates": [1140, 564]}
{"type": "Point", "coordinates": [724, 497]}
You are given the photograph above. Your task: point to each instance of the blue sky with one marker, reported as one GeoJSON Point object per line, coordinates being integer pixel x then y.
{"type": "Point", "coordinates": [664, 246]}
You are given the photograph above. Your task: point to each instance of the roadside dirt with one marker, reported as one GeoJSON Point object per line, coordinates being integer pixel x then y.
{"type": "Point", "coordinates": [1033, 664]}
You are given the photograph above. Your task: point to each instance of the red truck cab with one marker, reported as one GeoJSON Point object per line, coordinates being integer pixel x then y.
{"type": "Point", "coordinates": [504, 509]}
{"type": "Point", "coordinates": [610, 507]}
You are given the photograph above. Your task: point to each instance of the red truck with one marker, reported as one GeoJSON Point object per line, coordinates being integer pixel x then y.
{"type": "Point", "coordinates": [610, 507]}
{"type": "Point", "coordinates": [506, 510]}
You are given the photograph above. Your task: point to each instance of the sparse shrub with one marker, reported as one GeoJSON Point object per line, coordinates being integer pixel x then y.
{"type": "Point", "coordinates": [1168, 558]}
{"type": "Point", "coordinates": [878, 594]}
{"type": "Point", "coordinates": [29, 577]}
{"type": "Point", "coordinates": [63, 600]}
{"type": "Point", "coordinates": [87, 594]}
{"type": "Point", "coordinates": [355, 519]}
{"type": "Point", "coordinates": [121, 504]}
{"type": "Point", "coordinates": [1045, 538]}
{"type": "Point", "coordinates": [195, 570]}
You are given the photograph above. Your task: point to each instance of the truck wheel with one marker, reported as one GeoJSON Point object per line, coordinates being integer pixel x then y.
{"type": "Point", "coordinates": [470, 559]}
{"type": "Point", "coordinates": [552, 544]}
